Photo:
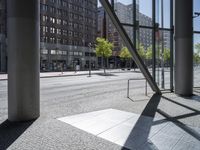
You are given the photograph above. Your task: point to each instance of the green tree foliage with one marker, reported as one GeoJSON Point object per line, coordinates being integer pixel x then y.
{"type": "Point", "coordinates": [196, 58]}
{"type": "Point", "coordinates": [166, 54]}
{"type": "Point", "coordinates": [149, 53]}
{"type": "Point", "coordinates": [197, 54]}
{"type": "Point", "coordinates": [103, 49]}
{"type": "Point", "coordinates": [125, 54]}
{"type": "Point", "coordinates": [141, 51]}
{"type": "Point", "coordinates": [197, 48]}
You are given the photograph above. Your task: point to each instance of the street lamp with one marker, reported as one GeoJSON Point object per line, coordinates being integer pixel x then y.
{"type": "Point", "coordinates": [90, 47]}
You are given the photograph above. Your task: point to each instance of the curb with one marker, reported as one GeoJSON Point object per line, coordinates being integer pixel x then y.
{"type": "Point", "coordinates": [96, 73]}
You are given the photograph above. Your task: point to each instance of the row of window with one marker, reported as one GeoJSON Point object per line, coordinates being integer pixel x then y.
{"type": "Point", "coordinates": [71, 53]}
{"type": "Point", "coordinates": [88, 3]}
{"type": "Point", "coordinates": [54, 40]}
{"type": "Point", "coordinates": [68, 23]}
{"type": "Point", "coordinates": [58, 31]}
{"type": "Point", "coordinates": [63, 12]}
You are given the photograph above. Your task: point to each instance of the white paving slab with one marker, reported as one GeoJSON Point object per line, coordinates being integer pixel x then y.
{"type": "Point", "coordinates": [132, 131]}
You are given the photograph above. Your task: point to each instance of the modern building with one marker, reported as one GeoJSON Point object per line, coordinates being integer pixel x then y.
{"type": "Point", "coordinates": [66, 29]}
{"type": "Point", "coordinates": [125, 15]}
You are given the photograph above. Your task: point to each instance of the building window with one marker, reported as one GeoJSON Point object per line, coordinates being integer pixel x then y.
{"type": "Point", "coordinates": [59, 21]}
{"type": "Point", "coordinates": [64, 22]}
{"type": "Point", "coordinates": [44, 7]}
{"type": "Point", "coordinates": [76, 53]}
{"type": "Point", "coordinates": [59, 2]}
{"type": "Point", "coordinates": [52, 10]}
{"type": "Point", "coordinates": [59, 40]}
{"type": "Point", "coordinates": [44, 18]}
{"type": "Point", "coordinates": [65, 32]}
{"type": "Point", "coordinates": [52, 40]}
{"type": "Point", "coordinates": [53, 52]}
{"type": "Point", "coordinates": [59, 12]}
{"type": "Point", "coordinates": [44, 51]}
{"type": "Point", "coordinates": [59, 52]}
{"type": "Point", "coordinates": [59, 31]}
{"type": "Point", "coordinates": [64, 52]}
{"type": "Point", "coordinates": [52, 1]}
{"type": "Point", "coordinates": [80, 54]}
{"type": "Point", "coordinates": [52, 20]}
{"type": "Point", "coordinates": [52, 30]}
{"type": "Point", "coordinates": [71, 53]}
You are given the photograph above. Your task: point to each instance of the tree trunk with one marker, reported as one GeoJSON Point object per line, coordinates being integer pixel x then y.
{"type": "Point", "coordinates": [104, 66]}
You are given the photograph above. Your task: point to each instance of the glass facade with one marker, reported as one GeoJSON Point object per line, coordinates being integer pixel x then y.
{"type": "Point", "coordinates": [151, 31]}
{"type": "Point", "coordinates": [196, 21]}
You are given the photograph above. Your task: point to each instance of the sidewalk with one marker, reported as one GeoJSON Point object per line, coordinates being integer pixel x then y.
{"type": "Point", "coordinates": [70, 73]}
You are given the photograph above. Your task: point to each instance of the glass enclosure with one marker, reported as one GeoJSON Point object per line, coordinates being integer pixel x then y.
{"type": "Point", "coordinates": [149, 25]}
{"type": "Point", "coordinates": [196, 44]}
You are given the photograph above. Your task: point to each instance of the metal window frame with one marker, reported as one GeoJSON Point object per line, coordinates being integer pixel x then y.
{"type": "Point", "coordinates": [110, 11]}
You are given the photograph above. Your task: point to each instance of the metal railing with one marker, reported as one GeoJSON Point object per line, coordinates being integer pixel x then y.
{"type": "Point", "coordinates": [135, 79]}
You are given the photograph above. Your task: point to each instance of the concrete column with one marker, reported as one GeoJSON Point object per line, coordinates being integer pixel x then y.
{"type": "Point", "coordinates": [184, 47]}
{"type": "Point", "coordinates": [23, 59]}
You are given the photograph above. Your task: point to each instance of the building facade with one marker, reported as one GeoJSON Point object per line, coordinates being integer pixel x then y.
{"type": "Point", "coordinates": [66, 29]}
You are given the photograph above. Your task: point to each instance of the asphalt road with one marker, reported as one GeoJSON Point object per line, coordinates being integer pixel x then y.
{"type": "Point", "coordinates": [64, 96]}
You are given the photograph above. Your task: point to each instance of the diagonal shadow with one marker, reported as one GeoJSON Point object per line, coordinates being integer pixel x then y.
{"type": "Point", "coordinates": [140, 133]}
{"type": "Point", "coordinates": [177, 103]}
{"type": "Point", "coordinates": [9, 132]}
{"type": "Point", "coordinates": [181, 125]}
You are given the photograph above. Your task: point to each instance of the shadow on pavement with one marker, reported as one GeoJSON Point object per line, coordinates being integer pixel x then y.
{"type": "Point", "coordinates": [140, 133]}
{"type": "Point", "coordinates": [178, 123]}
{"type": "Point", "coordinates": [107, 74]}
{"type": "Point", "coordinates": [9, 132]}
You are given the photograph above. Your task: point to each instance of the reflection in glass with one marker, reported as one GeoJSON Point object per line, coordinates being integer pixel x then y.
{"type": "Point", "coordinates": [196, 59]}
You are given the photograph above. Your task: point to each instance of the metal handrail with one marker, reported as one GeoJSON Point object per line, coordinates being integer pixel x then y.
{"type": "Point", "coordinates": [136, 79]}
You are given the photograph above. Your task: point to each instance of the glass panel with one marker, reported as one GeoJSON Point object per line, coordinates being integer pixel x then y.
{"type": "Point", "coordinates": [144, 46]}
{"type": "Point", "coordinates": [130, 31]}
{"type": "Point", "coordinates": [145, 12]}
{"type": "Point", "coordinates": [197, 60]}
{"type": "Point", "coordinates": [163, 59]}
{"type": "Point", "coordinates": [196, 12]}
{"type": "Point", "coordinates": [124, 10]}
{"type": "Point", "coordinates": [163, 13]}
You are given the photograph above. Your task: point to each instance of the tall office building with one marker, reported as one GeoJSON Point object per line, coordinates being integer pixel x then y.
{"type": "Point", "coordinates": [66, 29]}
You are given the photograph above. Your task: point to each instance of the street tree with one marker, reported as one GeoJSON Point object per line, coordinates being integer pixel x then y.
{"type": "Point", "coordinates": [103, 49]}
{"type": "Point", "coordinates": [166, 54]}
{"type": "Point", "coordinates": [149, 53]}
{"type": "Point", "coordinates": [197, 54]}
{"type": "Point", "coordinates": [125, 54]}
{"type": "Point", "coordinates": [197, 48]}
{"type": "Point", "coordinates": [141, 51]}
{"type": "Point", "coordinates": [196, 57]}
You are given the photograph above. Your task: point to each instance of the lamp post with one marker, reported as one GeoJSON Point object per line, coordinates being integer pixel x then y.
{"type": "Point", "coordinates": [90, 47]}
